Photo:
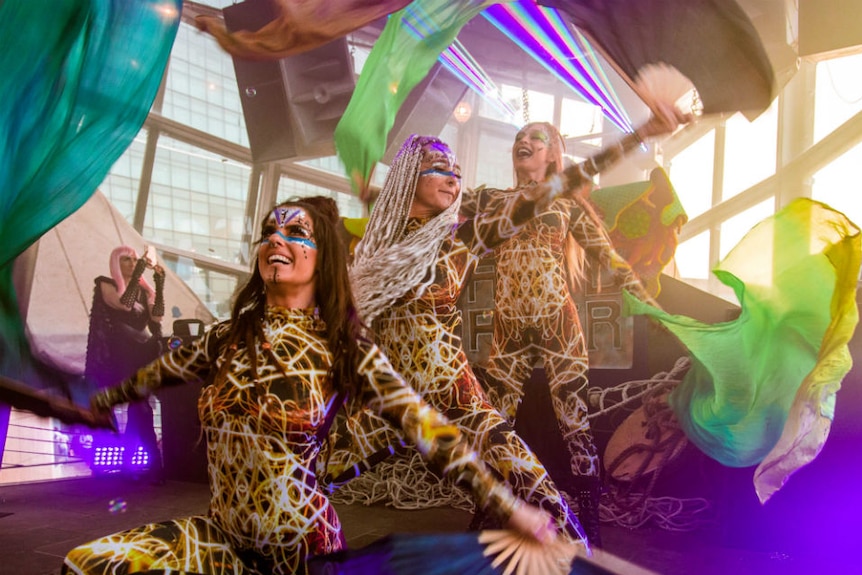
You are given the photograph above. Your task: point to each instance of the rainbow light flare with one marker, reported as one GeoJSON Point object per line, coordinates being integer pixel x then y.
{"type": "Point", "coordinates": [458, 60]}
{"type": "Point", "coordinates": [542, 33]}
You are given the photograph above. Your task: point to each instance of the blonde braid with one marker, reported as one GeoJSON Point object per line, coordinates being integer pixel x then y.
{"type": "Point", "coordinates": [386, 264]}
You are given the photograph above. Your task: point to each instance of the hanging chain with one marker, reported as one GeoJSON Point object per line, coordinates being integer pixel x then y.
{"type": "Point", "coordinates": [525, 105]}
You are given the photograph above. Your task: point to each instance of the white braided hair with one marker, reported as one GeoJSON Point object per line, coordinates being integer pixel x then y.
{"type": "Point", "coordinates": [387, 265]}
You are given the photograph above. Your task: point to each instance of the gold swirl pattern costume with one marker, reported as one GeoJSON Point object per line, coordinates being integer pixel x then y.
{"type": "Point", "coordinates": [418, 332]}
{"type": "Point", "coordinates": [267, 513]}
{"type": "Point", "coordinates": [536, 318]}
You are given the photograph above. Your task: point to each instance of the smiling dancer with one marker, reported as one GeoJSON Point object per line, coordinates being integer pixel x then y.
{"type": "Point", "coordinates": [408, 272]}
{"type": "Point", "coordinates": [535, 316]}
{"type": "Point", "coordinates": [274, 375]}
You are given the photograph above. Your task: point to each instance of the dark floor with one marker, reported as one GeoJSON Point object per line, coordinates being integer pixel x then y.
{"type": "Point", "coordinates": [40, 522]}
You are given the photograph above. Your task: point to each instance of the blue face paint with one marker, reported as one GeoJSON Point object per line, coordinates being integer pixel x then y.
{"type": "Point", "coordinates": [307, 242]}
{"type": "Point", "coordinates": [443, 173]}
{"type": "Point", "coordinates": [297, 232]}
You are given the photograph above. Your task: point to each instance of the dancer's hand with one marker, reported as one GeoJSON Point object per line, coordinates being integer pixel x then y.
{"type": "Point", "coordinates": [150, 256]}
{"type": "Point", "coordinates": [101, 413]}
{"type": "Point", "coordinates": [665, 119]}
{"type": "Point", "coordinates": [533, 522]}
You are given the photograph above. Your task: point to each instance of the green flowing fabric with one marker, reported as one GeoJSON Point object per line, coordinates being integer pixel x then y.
{"type": "Point", "coordinates": [761, 388]}
{"type": "Point", "coordinates": [410, 43]}
{"type": "Point", "coordinates": [78, 78]}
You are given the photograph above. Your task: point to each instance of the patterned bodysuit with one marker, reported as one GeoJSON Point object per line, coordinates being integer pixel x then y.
{"type": "Point", "coordinates": [267, 513]}
{"type": "Point", "coordinates": [535, 317]}
{"type": "Point", "coordinates": [418, 334]}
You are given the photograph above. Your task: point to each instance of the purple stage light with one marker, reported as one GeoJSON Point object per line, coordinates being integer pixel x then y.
{"type": "Point", "coordinates": [108, 457]}
{"type": "Point", "coordinates": [114, 456]}
{"type": "Point", "coordinates": [140, 458]}
{"type": "Point", "coordinates": [542, 33]}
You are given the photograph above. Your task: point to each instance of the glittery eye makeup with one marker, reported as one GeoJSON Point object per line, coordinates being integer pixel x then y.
{"type": "Point", "coordinates": [438, 160]}
{"type": "Point", "coordinates": [285, 215]}
{"type": "Point", "coordinates": [438, 155]}
{"type": "Point", "coordinates": [291, 225]}
{"type": "Point", "coordinates": [540, 136]}
{"type": "Point", "coordinates": [442, 172]}
{"type": "Point", "coordinates": [534, 134]}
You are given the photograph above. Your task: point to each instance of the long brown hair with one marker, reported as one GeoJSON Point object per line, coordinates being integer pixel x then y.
{"type": "Point", "coordinates": [333, 295]}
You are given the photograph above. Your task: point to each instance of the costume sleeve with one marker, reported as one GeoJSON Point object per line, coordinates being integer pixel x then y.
{"type": "Point", "coordinates": [437, 439]}
{"type": "Point", "coordinates": [500, 214]}
{"type": "Point", "coordinates": [131, 294]}
{"type": "Point", "coordinates": [158, 308]}
{"type": "Point", "coordinates": [587, 229]}
{"type": "Point", "coordinates": [191, 363]}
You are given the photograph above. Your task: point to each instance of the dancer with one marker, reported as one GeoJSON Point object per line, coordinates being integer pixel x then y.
{"type": "Point", "coordinates": [293, 352]}
{"type": "Point", "coordinates": [126, 334]}
{"type": "Point", "coordinates": [407, 274]}
{"type": "Point", "coordinates": [535, 316]}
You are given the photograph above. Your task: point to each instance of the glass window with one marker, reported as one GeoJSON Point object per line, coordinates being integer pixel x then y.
{"type": "Point", "coordinates": [360, 55]}
{"type": "Point", "coordinates": [750, 150]}
{"type": "Point", "coordinates": [692, 258]}
{"type": "Point", "coordinates": [691, 171]}
{"type": "Point", "coordinates": [578, 119]}
{"type": "Point", "coordinates": [201, 89]}
{"type": "Point", "coordinates": [349, 206]}
{"type": "Point", "coordinates": [735, 228]}
{"type": "Point", "coordinates": [203, 196]}
{"type": "Point", "coordinates": [213, 288]}
{"type": "Point", "coordinates": [449, 133]}
{"type": "Point", "coordinates": [540, 104]}
{"type": "Point", "coordinates": [122, 183]}
{"type": "Point", "coordinates": [494, 159]}
{"type": "Point", "coordinates": [838, 93]}
{"type": "Point", "coordinates": [331, 164]}
{"type": "Point", "coordinates": [833, 185]}
{"type": "Point", "coordinates": [504, 106]}
{"type": "Point", "coordinates": [378, 176]}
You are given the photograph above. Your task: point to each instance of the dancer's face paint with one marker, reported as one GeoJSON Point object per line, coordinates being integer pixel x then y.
{"type": "Point", "coordinates": [288, 253]}
{"type": "Point", "coordinates": [293, 225]}
{"type": "Point", "coordinates": [531, 152]}
{"type": "Point", "coordinates": [439, 181]}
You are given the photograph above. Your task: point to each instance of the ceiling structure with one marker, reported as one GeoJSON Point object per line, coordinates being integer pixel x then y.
{"type": "Point", "coordinates": [506, 63]}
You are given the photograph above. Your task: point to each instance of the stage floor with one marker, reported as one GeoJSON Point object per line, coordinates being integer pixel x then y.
{"type": "Point", "coordinates": [40, 522]}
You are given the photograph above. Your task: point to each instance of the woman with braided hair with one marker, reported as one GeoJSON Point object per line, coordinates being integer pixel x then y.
{"type": "Point", "coordinates": [408, 272]}
{"type": "Point", "coordinates": [126, 334]}
{"type": "Point", "coordinates": [292, 354]}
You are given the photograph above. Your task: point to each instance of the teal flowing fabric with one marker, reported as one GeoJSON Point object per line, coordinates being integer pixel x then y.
{"type": "Point", "coordinates": [78, 78]}
{"type": "Point", "coordinates": [761, 388]}
{"type": "Point", "coordinates": [410, 43]}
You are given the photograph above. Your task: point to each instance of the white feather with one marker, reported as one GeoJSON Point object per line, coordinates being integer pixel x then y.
{"type": "Point", "coordinates": [515, 554]}
{"type": "Point", "coordinates": [662, 83]}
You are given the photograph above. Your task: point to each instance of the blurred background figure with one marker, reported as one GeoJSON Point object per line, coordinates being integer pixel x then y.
{"type": "Point", "coordinates": [126, 334]}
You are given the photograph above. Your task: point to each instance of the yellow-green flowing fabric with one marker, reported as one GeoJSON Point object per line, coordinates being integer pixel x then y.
{"type": "Point", "coordinates": [761, 388]}
{"type": "Point", "coordinates": [78, 78]}
{"type": "Point", "coordinates": [410, 43]}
